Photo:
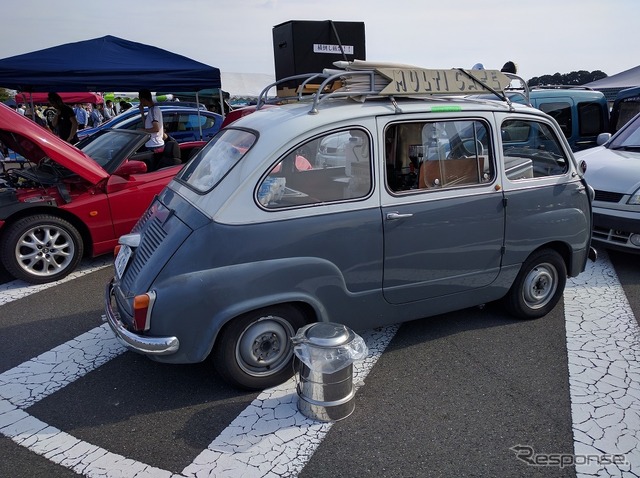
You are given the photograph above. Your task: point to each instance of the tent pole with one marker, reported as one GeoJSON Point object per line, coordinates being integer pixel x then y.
{"type": "Point", "coordinates": [221, 101]}
{"type": "Point", "coordinates": [33, 111]}
{"type": "Point", "coordinates": [199, 118]}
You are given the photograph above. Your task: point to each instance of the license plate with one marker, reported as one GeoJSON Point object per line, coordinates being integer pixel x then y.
{"type": "Point", "coordinates": [122, 259]}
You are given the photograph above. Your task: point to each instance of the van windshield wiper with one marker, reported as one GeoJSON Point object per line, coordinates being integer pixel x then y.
{"type": "Point", "coordinates": [627, 148]}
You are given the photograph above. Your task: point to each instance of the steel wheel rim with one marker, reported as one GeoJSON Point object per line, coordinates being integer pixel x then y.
{"type": "Point", "coordinates": [45, 251]}
{"type": "Point", "coordinates": [264, 348]}
{"type": "Point", "coordinates": [540, 285]}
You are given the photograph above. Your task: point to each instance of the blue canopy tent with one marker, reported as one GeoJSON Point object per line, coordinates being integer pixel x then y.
{"type": "Point", "coordinates": [105, 64]}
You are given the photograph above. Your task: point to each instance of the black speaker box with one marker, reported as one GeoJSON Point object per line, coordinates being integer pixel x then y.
{"type": "Point", "coordinates": [310, 46]}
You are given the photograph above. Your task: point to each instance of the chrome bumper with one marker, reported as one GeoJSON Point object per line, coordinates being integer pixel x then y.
{"type": "Point", "coordinates": [132, 341]}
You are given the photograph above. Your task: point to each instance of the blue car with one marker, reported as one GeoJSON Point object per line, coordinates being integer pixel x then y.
{"type": "Point", "coordinates": [182, 123]}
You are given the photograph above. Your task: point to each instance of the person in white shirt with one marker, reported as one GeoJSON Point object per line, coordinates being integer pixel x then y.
{"type": "Point", "coordinates": [108, 112]}
{"type": "Point", "coordinates": [152, 120]}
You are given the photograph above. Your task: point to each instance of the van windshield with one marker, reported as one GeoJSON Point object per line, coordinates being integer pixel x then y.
{"type": "Point", "coordinates": [216, 159]}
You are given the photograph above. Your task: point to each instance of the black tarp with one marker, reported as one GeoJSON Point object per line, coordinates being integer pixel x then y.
{"type": "Point", "coordinates": [105, 64]}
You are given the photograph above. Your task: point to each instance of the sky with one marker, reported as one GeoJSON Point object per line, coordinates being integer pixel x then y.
{"type": "Point", "coordinates": [542, 37]}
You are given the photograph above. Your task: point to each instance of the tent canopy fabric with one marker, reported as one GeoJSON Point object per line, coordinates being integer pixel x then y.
{"type": "Point", "coordinates": [105, 64]}
{"type": "Point", "coordinates": [625, 79]}
{"type": "Point", "coordinates": [236, 85]}
{"type": "Point", "coordinates": [246, 85]}
{"type": "Point", "coordinates": [68, 98]}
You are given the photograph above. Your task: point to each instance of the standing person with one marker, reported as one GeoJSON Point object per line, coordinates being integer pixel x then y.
{"type": "Point", "coordinates": [108, 112]}
{"type": "Point", "coordinates": [21, 109]}
{"type": "Point", "coordinates": [124, 106]}
{"type": "Point", "coordinates": [152, 120]}
{"type": "Point", "coordinates": [96, 118]}
{"type": "Point", "coordinates": [64, 121]}
{"type": "Point", "coordinates": [81, 116]}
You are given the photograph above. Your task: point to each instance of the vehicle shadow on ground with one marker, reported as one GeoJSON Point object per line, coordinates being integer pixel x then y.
{"type": "Point", "coordinates": [131, 401]}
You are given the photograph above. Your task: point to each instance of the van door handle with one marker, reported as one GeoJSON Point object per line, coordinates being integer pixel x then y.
{"type": "Point", "coordinates": [392, 216]}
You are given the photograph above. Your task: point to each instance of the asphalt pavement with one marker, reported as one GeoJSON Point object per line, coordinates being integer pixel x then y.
{"type": "Point", "coordinates": [451, 395]}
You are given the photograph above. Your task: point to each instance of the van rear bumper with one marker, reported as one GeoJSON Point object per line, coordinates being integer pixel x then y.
{"type": "Point", "coordinates": [136, 342]}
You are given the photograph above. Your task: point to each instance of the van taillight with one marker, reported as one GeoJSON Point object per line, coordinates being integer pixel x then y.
{"type": "Point", "coordinates": [142, 306]}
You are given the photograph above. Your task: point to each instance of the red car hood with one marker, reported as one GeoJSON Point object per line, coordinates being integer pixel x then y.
{"type": "Point", "coordinates": [34, 142]}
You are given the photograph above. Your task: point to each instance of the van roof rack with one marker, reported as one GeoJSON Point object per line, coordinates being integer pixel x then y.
{"type": "Point", "coordinates": [361, 80]}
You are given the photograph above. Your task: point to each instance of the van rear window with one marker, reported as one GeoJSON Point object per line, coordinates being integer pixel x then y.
{"type": "Point", "coordinates": [216, 159]}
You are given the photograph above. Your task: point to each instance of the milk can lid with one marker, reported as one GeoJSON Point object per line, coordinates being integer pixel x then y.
{"type": "Point", "coordinates": [327, 334]}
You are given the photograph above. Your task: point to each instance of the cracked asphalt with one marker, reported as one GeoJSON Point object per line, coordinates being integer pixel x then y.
{"type": "Point", "coordinates": [470, 393]}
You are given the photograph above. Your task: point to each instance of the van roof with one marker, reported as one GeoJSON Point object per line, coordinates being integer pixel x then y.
{"type": "Point", "coordinates": [580, 94]}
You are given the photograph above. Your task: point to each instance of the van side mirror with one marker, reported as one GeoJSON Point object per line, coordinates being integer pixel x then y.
{"type": "Point", "coordinates": [603, 138]}
{"type": "Point", "coordinates": [583, 166]}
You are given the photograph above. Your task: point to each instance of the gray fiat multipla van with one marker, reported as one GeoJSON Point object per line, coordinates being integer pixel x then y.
{"type": "Point", "coordinates": [382, 195]}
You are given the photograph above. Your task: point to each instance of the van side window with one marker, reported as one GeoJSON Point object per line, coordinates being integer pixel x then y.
{"type": "Point", "coordinates": [561, 112]}
{"type": "Point", "coordinates": [437, 154]}
{"type": "Point", "coordinates": [538, 153]}
{"type": "Point", "coordinates": [627, 109]}
{"type": "Point", "coordinates": [333, 167]}
{"type": "Point", "coordinates": [590, 119]}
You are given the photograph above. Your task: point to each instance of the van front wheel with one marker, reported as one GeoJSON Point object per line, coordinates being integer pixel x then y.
{"type": "Point", "coordinates": [254, 351]}
{"type": "Point", "coordinates": [538, 286]}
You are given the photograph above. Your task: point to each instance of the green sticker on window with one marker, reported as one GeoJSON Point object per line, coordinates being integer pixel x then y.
{"type": "Point", "coordinates": [445, 109]}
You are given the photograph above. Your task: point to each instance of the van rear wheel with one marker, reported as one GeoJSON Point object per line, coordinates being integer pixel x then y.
{"type": "Point", "coordinates": [254, 351]}
{"type": "Point", "coordinates": [538, 286]}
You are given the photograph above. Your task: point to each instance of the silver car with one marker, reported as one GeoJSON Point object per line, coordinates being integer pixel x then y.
{"type": "Point", "coordinates": [613, 170]}
{"type": "Point", "coordinates": [441, 203]}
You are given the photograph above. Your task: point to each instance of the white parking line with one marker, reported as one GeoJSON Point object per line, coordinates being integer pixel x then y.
{"type": "Point", "coordinates": [18, 289]}
{"type": "Point", "coordinates": [271, 438]}
{"type": "Point", "coordinates": [33, 380]}
{"type": "Point", "coordinates": [603, 345]}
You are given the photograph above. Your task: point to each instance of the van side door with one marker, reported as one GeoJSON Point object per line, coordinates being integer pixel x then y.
{"type": "Point", "coordinates": [443, 217]}
{"type": "Point", "coordinates": [546, 199]}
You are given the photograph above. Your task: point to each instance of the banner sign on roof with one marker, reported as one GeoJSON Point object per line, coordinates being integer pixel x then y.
{"type": "Point", "coordinates": [412, 81]}
{"type": "Point", "coordinates": [333, 49]}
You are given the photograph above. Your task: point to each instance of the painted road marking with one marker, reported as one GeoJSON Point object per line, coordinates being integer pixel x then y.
{"type": "Point", "coordinates": [603, 345]}
{"type": "Point", "coordinates": [271, 438]}
{"type": "Point", "coordinates": [33, 380]}
{"type": "Point", "coordinates": [18, 289]}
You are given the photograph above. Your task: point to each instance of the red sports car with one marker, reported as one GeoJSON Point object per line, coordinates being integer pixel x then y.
{"type": "Point", "coordinates": [59, 202]}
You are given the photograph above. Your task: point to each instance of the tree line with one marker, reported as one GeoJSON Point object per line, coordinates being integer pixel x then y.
{"type": "Point", "coordinates": [575, 78]}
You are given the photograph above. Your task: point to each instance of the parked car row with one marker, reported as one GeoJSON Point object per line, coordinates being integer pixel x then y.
{"type": "Point", "coordinates": [59, 202]}
{"type": "Point", "coordinates": [613, 170]}
{"type": "Point", "coordinates": [181, 122]}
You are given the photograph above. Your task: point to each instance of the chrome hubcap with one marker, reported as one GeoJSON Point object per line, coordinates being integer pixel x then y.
{"type": "Point", "coordinates": [44, 250]}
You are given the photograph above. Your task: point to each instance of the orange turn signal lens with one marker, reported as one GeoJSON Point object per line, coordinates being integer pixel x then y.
{"type": "Point", "coordinates": [141, 302]}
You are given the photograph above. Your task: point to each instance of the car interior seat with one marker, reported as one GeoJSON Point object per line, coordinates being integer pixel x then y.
{"type": "Point", "coordinates": [170, 154]}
